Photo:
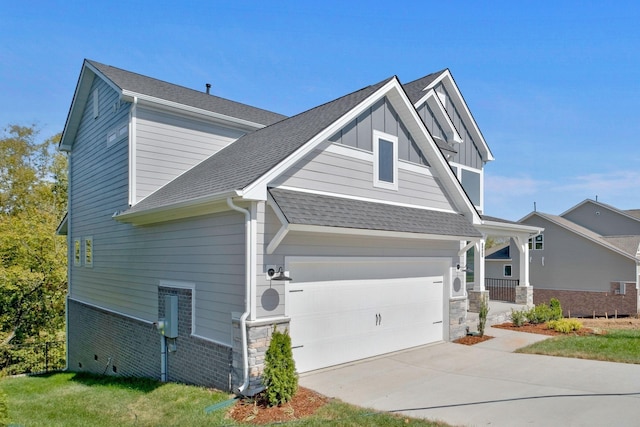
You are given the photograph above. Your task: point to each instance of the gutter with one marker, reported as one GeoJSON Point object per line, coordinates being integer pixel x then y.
{"type": "Point", "coordinates": [249, 267]}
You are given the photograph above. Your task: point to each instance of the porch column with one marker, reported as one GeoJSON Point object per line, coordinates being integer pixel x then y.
{"type": "Point", "coordinates": [478, 266]}
{"type": "Point", "coordinates": [524, 291]}
{"type": "Point", "coordinates": [478, 294]}
{"type": "Point", "coordinates": [523, 247]}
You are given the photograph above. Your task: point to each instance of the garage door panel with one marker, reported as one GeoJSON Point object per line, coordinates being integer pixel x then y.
{"type": "Point", "coordinates": [338, 321]}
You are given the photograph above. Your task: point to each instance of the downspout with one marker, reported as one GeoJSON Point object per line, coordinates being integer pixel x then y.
{"type": "Point", "coordinates": [70, 254]}
{"type": "Point", "coordinates": [247, 292]}
{"type": "Point", "coordinates": [133, 120]}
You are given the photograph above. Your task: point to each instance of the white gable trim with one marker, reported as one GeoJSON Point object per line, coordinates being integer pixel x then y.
{"type": "Point", "coordinates": [434, 102]}
{"type": "Point", "coordinates": [258, 189]}
{"type": "Point", "coordinates": [447, 79]}
{"type": "Point", "coordinates": [80, 98]}
{"type": "Point", "coordinates": [416, 127]}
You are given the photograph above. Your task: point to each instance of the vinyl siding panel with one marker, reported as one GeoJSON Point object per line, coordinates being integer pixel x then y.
{"type": "Point", "coordinates": [129, 262]}
{"type": "Point", "coordinates": [468, 152]}
{"type": "Point", "coordinates": [166, 146]}
{"type": "Point", "coordinates": [603, 220]}
{"type": "Point", "coordinates": [352, 176]}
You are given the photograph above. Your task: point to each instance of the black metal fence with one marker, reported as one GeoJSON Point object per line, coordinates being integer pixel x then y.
{"type": "Point", "coordinates": [32, 358]}
{"type": "Point", "coordinates": [501, 289]}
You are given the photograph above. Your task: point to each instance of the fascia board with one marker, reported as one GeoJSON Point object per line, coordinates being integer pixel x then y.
{"type": "Point", "coordinates": [436, 159]}
{"type": "Point", "coordinates": [80, 95]}
{"type": "Point", "coordinates": [196, 207]}
{"type": "Point", "coordinates": [447, 79]}
{"type": "Point", "coordinates": [107, 80]}
{"type": "Point", "coordinates": [128, 95]}
{"type": "Point", "coordinates": [501, 227]}
{"type": "Point", "coordinates": [372, 233]}
{"type": "Point", "coordinates": [258, 189]}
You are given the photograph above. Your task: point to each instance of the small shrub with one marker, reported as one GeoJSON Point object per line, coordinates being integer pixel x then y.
{"type": "Point", "coordinates": [279, 376]}
{"type": "Point", "coordinates": [540, 313]}
{"type": "Point", "coordinates": [565, 325]}
{"type": "Point", "coordinates": [482, 315]}
{"type": "Point", "coordinates": [518, 317]}
{"type": "Point", "coordinates": [556, 309]}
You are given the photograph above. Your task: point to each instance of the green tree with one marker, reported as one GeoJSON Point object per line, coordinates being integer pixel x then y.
{"type": "Point", "coordinates": [33, 198]}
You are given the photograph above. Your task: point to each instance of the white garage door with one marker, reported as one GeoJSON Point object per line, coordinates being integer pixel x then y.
{"type": "Point", "coordinates": [366, 308]}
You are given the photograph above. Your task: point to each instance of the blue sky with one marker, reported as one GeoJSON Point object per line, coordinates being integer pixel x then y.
{"type": "Point", "coordinates": [554, 86]}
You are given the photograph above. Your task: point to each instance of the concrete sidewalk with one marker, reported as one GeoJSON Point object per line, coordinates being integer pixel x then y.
{"type": "Point", "coordinates": [488, 384]}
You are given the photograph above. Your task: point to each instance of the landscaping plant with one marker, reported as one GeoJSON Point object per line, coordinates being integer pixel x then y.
{"type": "Point", "coordinates": [518, 317]}
{"type": "Point", "coordinates": [279, 376]}
{"type": "Point", "coordinates": [482, 315]}
{"type": "Point", "coordinates": [565, 325]}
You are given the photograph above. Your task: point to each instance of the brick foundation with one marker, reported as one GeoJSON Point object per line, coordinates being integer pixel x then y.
{"type": "Point", "coordinates": [586, 304]}
{"type": "Point", "coordinates": [195, 361]}
{"type": "Point", "coordinates": [102, 342]}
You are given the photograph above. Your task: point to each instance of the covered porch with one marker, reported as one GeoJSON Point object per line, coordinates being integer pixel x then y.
{"type": "Point", "coordinates": [513, 290]}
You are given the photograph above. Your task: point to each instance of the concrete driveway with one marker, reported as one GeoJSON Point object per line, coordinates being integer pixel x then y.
{"type": "Point", "coordinates": [488, 384]}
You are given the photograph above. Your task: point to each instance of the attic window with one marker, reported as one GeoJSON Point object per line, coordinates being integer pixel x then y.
{"type": "Point", "coordinates": [385, 160]}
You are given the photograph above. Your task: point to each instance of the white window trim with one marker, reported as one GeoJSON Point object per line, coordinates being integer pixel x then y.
{"type": "Point", "coordinates": [536, 242]}
{"type": "Point", "coordinates": [87, 262]}
{"type": "Point", "coordinates": [377, 136]}
{"type": "Point", "coordinates": [504, 270]}
{"type": "Point", "coordinates": [77, 253]}
{"type": "Point", "coordinates": [458, 173]}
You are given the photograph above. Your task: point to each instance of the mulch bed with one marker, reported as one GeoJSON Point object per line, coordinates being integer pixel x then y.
{"type": "Point", "coordinates": [255, 410]}
{"type": "Point", "coordinates": [542, 329]}
{"type": "Point", "coordinates": [472, 339]}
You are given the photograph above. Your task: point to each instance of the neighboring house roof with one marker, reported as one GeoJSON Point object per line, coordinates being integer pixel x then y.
{"type": "Point", "coordinates": [136, 86]}
{"type": "Point", "coordinates": [239, 164]}
{"type": "Point", "coordinates": [327, 211]}
{"type": "Point", "coordinates": [634, 213]}
{"type": "Point", "coordinates": [500, 252]}
{"type": "Point", "coordinates": [585, 232]}
{"type": "Point", "coordinates": [629, 244]}
{"type": "Point", "coordinates": [496, 219]}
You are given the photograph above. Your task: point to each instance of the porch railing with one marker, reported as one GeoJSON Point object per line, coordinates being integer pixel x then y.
{"type": "Point", "coordinates": [501, 289]}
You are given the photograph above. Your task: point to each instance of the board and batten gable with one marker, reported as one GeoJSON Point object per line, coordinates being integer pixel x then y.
{"type": "Point", "coordinates": [569, 261]}
{"type": "Point", "coordinates": [603, 220]}
{"type": "Point", "coordinates": [129, 262]}
{"type": "Point", "coordinates": [468, 163]}
{"type": "Point", "coordinates": [168, 145]}
{"type": "Point", "coordinates": [344, 165]}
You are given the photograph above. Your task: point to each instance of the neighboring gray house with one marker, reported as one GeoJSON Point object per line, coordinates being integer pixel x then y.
{"type": "Point", "coordinates": [186, 206]}
{"type": "Point", "coordinates": [588, 258]}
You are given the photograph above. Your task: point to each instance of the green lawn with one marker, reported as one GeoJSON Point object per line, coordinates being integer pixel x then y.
{"type": "Point", "coordinates": [68, 399]}
{"type": "Point", "coordinates": [614, 346]}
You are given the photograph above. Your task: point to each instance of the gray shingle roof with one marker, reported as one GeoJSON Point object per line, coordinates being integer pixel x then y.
{"type": "Point", "coordinates": [634, 213]}
{"type": "Point", "coordinates": [628, 244]}
{"type": "Point", "coordinates": [415, 88]}
{"type": "Point", "coordinates": [496, 219]}
{"type": "Point", "coordinates": [250, 157]}
{"type": "Point", "coordinates": [327, 211]}
{"type": "Point", "coordinates": [144, 85]}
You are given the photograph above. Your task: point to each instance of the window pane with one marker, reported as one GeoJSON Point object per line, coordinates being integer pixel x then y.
{"type": "Point", "coordinates": [385, 161]}
{"type": "Point", "coordinates": [507, 271]}
{"type": "Point", "coordinates": [471, 184]}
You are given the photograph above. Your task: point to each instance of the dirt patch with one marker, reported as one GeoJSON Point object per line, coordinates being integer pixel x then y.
{"type": "Point", "coordinates": [619, 323]}
{"type": "Point", "coordinates": [255, 410]}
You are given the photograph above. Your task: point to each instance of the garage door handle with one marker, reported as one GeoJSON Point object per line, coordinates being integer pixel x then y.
{"type": "Point", "coordinates": [439, 321]}
{"type": "Point", "coordinates": [297, 290]}
{"type": "Point", "coordinates": [296, 346]}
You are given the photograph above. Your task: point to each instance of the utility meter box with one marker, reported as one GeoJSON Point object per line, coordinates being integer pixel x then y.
{"type": "Point", "coordinates": [170, 316]}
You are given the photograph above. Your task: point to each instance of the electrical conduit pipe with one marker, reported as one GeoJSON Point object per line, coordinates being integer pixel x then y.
{"type": "Point", "coordinates": [247, 300]}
